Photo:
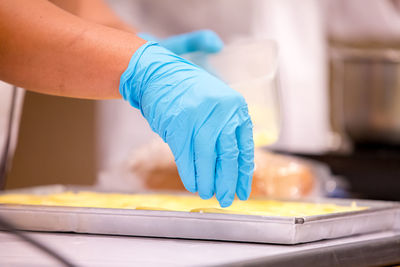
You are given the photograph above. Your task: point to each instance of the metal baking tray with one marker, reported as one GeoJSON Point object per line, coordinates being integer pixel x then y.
{"type": "Point", "coordinates": [380, 216]}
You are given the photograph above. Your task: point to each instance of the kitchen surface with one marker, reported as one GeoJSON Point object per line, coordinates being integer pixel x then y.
{"type": "Point", "coordinates": [86, 180]}
{"type": "Point", "coordinates": [99, 250]}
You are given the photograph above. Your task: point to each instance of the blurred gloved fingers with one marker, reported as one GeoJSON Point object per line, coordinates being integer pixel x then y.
{"type": "Point", "coordinates": [204, 40]}
{"type": "Point", "coordinates": [226, 172]}
{"type": "Point", "coordinates": [244, 135]}
{"type": "Point", "coordinates": [205, 158]}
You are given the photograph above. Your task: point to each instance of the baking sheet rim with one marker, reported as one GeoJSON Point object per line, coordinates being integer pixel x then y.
{"type": "Point", "coordinates": [202, 216]}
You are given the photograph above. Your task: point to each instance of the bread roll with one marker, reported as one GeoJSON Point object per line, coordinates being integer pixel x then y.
{"type": "Point", "coordinates": [275, 175]}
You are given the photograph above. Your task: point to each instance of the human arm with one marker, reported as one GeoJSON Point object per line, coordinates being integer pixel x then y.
{"type": "Point", "coordinates": [96, 11]}
{"type": "Point", "coordinates": [205, 123]}
{"type": "Point", "coordinates": [76, 58]}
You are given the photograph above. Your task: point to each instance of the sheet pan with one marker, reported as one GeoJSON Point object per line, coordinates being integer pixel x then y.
{"type": "Point", "coordinates": [380, 216]}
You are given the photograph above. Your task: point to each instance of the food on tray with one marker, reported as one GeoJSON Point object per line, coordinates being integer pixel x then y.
{"type": "Point", "coordinates": [281, 176]}
{"type": "Point", "coordinates": [177, 203]}
{"type": "Point", "coordinates": [276, 176]}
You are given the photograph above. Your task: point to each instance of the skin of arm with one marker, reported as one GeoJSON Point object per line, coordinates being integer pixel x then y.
{"type": "Point", "coordinates": [48, 50]}
{"type": "Point", "coordinates": [96, 11]}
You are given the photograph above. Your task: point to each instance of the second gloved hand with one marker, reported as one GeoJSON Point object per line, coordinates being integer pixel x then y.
{"type": "Point", "coordinates": [203, 40]}
{"type": "Point", "coordinates": [205, 122]}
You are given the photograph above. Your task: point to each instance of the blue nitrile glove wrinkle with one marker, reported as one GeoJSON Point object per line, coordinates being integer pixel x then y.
{"type": "Point", "coordinates": [204, 121]}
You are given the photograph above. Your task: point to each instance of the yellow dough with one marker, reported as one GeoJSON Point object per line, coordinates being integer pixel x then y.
{"type": "Point", "coordinates": [176, 203]}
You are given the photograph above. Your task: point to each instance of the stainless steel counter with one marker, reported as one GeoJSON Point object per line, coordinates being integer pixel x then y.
{"type": "Point", "coordinates": [101, 250]}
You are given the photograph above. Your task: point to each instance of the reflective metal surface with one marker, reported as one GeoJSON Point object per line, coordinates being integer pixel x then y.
{"type": "Point", "coordinates": [380, 216]}
{"type": "Point", "coordinates": [366, 93]}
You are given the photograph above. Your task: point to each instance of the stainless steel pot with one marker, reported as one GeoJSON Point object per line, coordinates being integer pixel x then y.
{"type": "Point", "coordinates": [366, 93]}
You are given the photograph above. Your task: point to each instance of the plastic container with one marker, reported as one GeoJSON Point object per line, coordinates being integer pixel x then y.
{"type": "Point", "coordinates": [250, 67]}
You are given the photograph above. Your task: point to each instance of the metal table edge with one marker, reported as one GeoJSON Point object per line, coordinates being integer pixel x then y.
{"type": "Point", "coordinates": [378, 252]}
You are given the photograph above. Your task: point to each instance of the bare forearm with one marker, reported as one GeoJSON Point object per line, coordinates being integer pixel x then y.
{"type": "Point", "coordinates": [48, 50]}
{"type": "Point", "coordinates": [96, 11]}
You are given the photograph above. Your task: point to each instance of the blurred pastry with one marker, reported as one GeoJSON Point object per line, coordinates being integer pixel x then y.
{"type": "Point", "coordinates": [281, 176]}
{"type": "Point", "coordinates": [275, 175]}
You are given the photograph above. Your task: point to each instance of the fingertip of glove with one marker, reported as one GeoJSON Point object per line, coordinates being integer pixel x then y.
{"type": "Point", "coordinates": [216, 46]}
{"type": "Point", "coordinates": [243, 194]}
{"type": "Point", "coordinates": [205, 196]}
{"type": "Point", "coordinates": [225, 203]}
{"type": "Point", "coordinates": [212, 43]}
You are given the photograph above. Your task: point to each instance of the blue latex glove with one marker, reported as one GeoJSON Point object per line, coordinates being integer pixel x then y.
{"type": "Point", "coordinates": [205, 122]}
{"type": "Point", "coordinates": [203, 40]}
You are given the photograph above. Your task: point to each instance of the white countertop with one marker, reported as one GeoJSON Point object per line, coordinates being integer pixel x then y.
{"type": "Point", "coordinates": [102, 250]}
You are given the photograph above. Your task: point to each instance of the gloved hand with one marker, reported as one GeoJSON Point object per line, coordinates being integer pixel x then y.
{"type": "Point", "coordinates": [205, 122]}
{"type": "Point", "coordinates": [203, 40]}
